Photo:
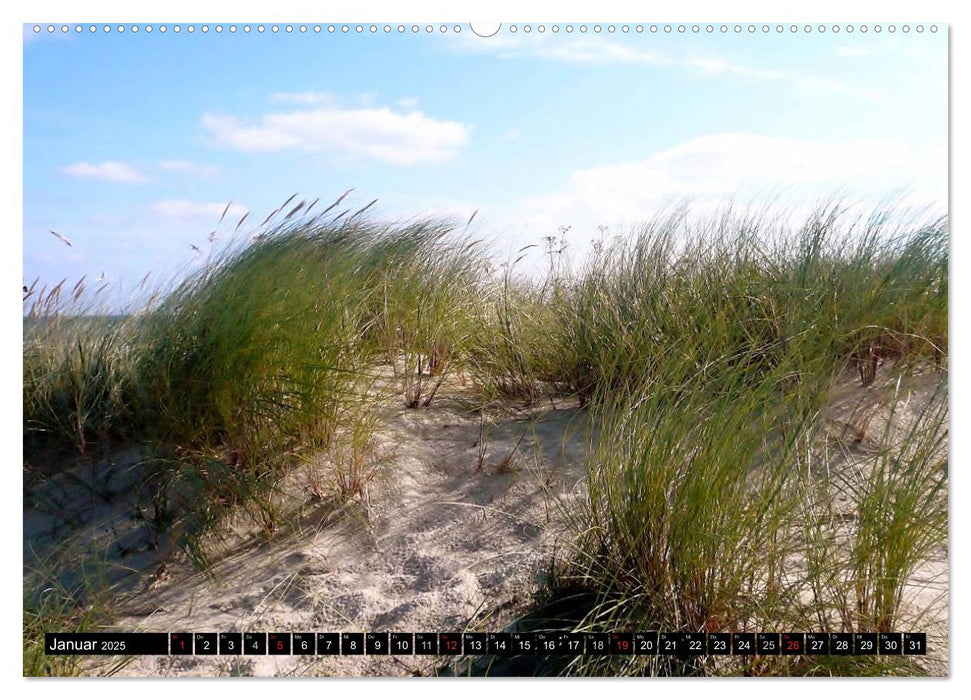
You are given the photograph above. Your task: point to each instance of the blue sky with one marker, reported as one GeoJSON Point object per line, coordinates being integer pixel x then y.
{"type": "Point", "coordinates": [134, 143]}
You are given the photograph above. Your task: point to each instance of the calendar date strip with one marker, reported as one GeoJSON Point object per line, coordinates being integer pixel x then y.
{"type": "Point", "coordinates": [487, 643]}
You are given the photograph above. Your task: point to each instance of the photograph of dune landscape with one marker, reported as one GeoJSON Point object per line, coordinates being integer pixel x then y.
{"type": "Point", "coordinates": [526, 349]}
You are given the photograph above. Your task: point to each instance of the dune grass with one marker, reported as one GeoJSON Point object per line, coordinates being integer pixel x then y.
{"type": "Point", "coordinates": [897, 494]}
{"type": "Point", "coordinates": [54, 612]}
{"type": "Point", "coordinates": [709, 356]}
{"type": "Point", "coordinates": [252, 362]}
{"type": "Point", "coordinates": [76, 373]}
{"type": "Point", "coordinates": [707, 351]}
{"type": "Point", "coordinates": [52, 604]}
{"type": "Point", "coordinates": [744, 291]}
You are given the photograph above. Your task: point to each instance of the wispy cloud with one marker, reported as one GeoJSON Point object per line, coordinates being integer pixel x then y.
{"type": "Point", "coordinates": [188, 167]}
{"type": "Point", "coordinates": [812, 85]}
{"type": "Point", "coordinates": [306, 98]}
{"type": "Point", "coordinates": [571, 50]}
{"type": "Point", "coordinates": [604, 51]}
{"type": "Point", "coordinates": [714, 169]}
{"type": "Point", "coordinates": [109, 171]}
{"type": "Point", "coordinates": [407, 103]}
{"type": "Point", "coordinates": [596, 51]}
{"type": "Point", "coordinates": [184, 211]}
{"type": "Point", "coordinates": [718, 66]}
{"type": "Point", "coordinates": [373, 133]}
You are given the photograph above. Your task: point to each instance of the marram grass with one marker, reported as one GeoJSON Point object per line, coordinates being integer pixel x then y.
{"type": "Point", "coordinates": [705, 350]}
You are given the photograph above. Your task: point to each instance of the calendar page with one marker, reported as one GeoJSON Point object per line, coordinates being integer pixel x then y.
{"type": "Point", "coordinates": [438, 348]}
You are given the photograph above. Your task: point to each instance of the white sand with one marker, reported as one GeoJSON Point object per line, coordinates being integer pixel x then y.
{"type": "Point", "coordinates": [441, 542]}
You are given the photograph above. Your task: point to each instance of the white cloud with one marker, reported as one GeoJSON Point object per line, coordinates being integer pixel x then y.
{"type": "Point", "coordinates": [373, 133]}
{"type": "Point", "coordinates": [716, 169]}
{"type": "Point", "coordinates": [184, 211]}
{"type": "Point", "coordinates": [188, 167]}
{"type": "Point", "coordinates": [305, 98]}
{"type": "Point", "coordinates": [109, 171]}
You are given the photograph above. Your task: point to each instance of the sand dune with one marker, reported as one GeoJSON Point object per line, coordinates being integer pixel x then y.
{"type": "Point", "coordinates": [455, 533]}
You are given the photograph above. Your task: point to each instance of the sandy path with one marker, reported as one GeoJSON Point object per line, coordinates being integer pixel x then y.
{"type": "Point", "coordinates": [440, 545]}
